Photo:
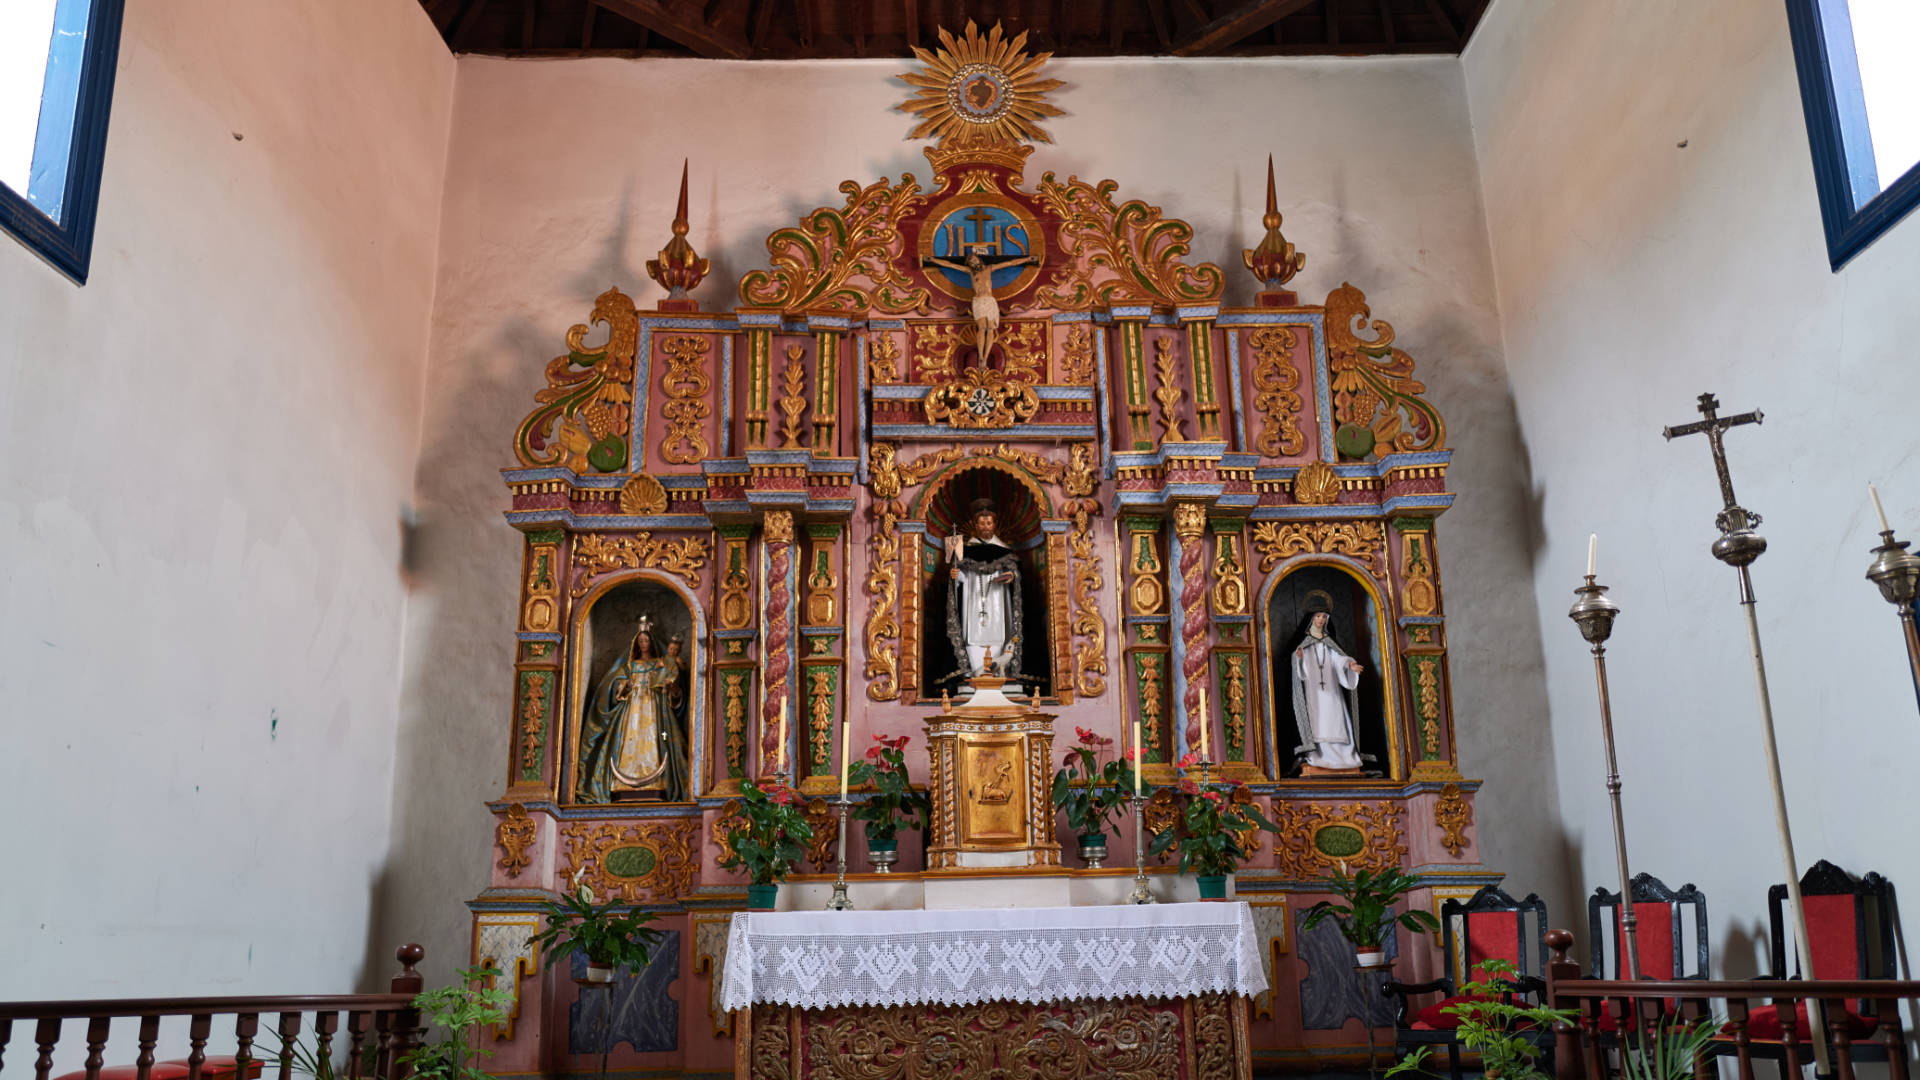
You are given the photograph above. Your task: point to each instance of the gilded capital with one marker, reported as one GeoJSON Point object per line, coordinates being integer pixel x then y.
{"type": "Point", "coordinates": [777, 526]}
{"type": "Point", "coordinates": [1189, 520]}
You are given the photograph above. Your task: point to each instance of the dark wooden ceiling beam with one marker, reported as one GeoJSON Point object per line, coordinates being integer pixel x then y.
{"type": "Point", "coordinates": [463, 26]}
{"type": "Point", "coordinates": [1157, 11]}
{"type": "Point", "coordinates": [529, 12]}
{"type": "Point", "coordinates": [586, 26]}
{"type": "Point", "coordinates": [1386, 23]}
{"type": "Point", "coordinates": [760, 23]}
{"type": "Point", "coordinates": [1227, 30]}
{"type": "Point", "coordinates": [682, 23]}
{"type": "Point", "coordinates": [1445, 18]}
{"type": "Point", "coordinates": [913, 23]}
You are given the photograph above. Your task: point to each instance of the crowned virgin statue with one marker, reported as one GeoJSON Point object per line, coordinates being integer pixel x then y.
{"type": "Point", "coordinates": [1326, 698]}
{"type": "Point", "coordinates": [631, 739]}
{"type": "Point", "coordinates": [983, 596]}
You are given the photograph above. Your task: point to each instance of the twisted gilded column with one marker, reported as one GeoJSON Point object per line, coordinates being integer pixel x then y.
{"type": "Point", "coordinates": [1190, 524]}
{"type": "Point", "coordinates": [777, 532]}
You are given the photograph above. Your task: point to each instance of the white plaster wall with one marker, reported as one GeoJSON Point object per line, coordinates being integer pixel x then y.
{"type": "Point", "coordinates": [561, 181]}
{"type": "Point", "coordinates": [205, 454]}
{"type": "Point", "coordinates": [1655, 234]}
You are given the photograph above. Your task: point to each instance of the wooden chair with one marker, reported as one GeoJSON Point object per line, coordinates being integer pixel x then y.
{"type": "Point", "coordinates": [1665, 917]}
{"type": "Point", "coordinates": [1491, 925]}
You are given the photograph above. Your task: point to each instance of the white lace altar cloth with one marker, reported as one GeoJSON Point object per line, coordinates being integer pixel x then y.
{"type": "Point", "coordinates": [825, 959]}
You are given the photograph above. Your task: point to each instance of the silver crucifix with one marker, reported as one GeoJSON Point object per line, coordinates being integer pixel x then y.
{"type": "Point", "coordinates": [1738, 544]}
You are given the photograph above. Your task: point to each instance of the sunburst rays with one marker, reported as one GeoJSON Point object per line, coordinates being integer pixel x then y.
{"type": "Point", "coordinates": [980, 87]}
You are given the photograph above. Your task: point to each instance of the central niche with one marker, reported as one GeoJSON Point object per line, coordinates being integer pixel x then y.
{"type": "Point", "coordinates": [1018, 509]}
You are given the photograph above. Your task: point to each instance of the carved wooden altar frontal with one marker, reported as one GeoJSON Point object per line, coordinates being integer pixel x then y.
{"type": "Point", "coordinates": [1198, 1038]}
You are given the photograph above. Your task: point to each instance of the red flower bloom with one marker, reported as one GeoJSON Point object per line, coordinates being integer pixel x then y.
{"type": "Point", "coordinates": [900, 743]}
{"type": "Point", "coordinates": [1211, 796]}
{"type": "Point", "coordinates": [879, 738]}
{"type": "Point", "coordinates": [1189, 786]}
{"type": "Point", "coordinates": [1132, 752]}
{"type": "Point", "coordinates": [1187, 761]}
{"type": "Point", "coordinates": [873, 752]}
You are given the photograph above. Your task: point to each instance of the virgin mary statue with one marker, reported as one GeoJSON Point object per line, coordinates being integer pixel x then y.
{"type": "Point", "coordinates": [631, 738]}
{"type": "Point", "coordinates": [1326, 697]}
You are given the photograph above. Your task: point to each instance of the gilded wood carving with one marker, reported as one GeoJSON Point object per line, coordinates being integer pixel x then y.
{"type": "Point", "coordinates": [583, 414]}
{"type": "Point", "coordinates": [514, 834]}
{"type": "Point", "coordinates": [1119, 254]}
{"type": "Point", "coordinates": [1316, 837]}
{"type": "Point", "coordinates": [1089, 628]}
{"type": "Point", "coordinates": [1076, 357]}
{"type": "Point", "coordinates": [640, 862]}
{"type": "Point", "coordinates": [981, 398]}
{"type": "Point", "coordinates": [1373, 385]}
{"type": "Point", "coordinates": [599, 553]}
{"type": "Point", "coordinates": [643, 495]}
{"type": "Point", "coordinates": [1453, 815]}
{"type": "Point", "coordinates": [793, 401]}
{"type": "Point", "coordinates": [1283, 540]}
{"type": "Point", "coordinates": [1128, 1039]}
{"type": "Point", "coordinates": [844, 261]}
{"type": "Point", "coordinates": [883, 589]}
{"type": "Point", "coordinates": [1316, 484]}
{"type": "Point", "coordinates": [685, 383]}
{"type": "Point", "coordinates": [1275, 383]}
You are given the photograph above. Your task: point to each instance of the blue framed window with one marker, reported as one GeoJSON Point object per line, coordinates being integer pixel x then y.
{"type": "Point", "coordinates": [56, 83]}
{"type": "Point", "coordinates": [1861, 90]}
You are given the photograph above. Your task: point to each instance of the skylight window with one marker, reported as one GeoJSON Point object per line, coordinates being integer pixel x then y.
{"type": "Point", "coordinates": [1861, 92]}
{"type": "Point", "coordinates": [56, 80]}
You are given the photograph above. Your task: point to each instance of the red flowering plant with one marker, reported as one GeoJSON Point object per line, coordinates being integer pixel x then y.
{"type": "Point", "coordinates": [1216, 819]}
{"type": "Point", "coordinates": [895, 803]}
{"type": "Point", "coordinates": [770, 840]}
{"type": "Point", "coordinates": [1090, 790]}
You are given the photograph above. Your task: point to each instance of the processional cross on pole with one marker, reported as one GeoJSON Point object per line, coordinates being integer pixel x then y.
{"type": "Point", "coordinates": [1738, 546]}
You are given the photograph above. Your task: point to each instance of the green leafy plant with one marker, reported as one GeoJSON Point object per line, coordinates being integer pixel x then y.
{"type": "Point", "coordinates": [457, 1011]}
{"type": "Point", "coordinates": [575, 925]}
{"type": "Point", "coordinates": [1090, 791]}
{"type": "Point", "coordinates": [1669, 1049]}
{"type": "Point", "coordinates": [1211, 826]}
{"type": "Point", "coordinates": [1492, 1023]}
{"type": "Point", "coordinates": [1365, 907]}
{"type": "Point", "coordinates": [305, 1060]}
{"type": "Point", "coordinates": [895, 804]}
{"type": "Point", "coordinates": [775, 830]}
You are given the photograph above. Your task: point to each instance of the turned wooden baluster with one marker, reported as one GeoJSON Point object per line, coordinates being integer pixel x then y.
{"type": "Point", "coordinates": [197, 1031]}
{"type": "Point", "coordinates": [149, 1036]}
{"type": "Point", "coordinates": [1789, 1034]}
{"type": "Point", "coordinates": [1891, 1037]}
{"type": "Point", "coordinates": [1559, 969]}
{"type": "Point", "coordinates": [97, 1028]}
{"type": "Point", "coordinates": [289, 1031]}
{"type": "Point", "coordinates": [358, 1024]}
{"type": "Point", "coordinates": [1742, 1039]}
{"type": "Point", "coordinates": [406, 1021]}
{"type": "Point", "coordinates": [1589, 1059]}
{"type": "Point", "coordinates": [383, 1045]}
{"type": "Point", "coordinates": [46, 1033]}
{"type": "Point", "coordinates": [1838, 1038]}
{"type": "Point", "coordinates": [245, 1027]}
{"type": "Point", "coordinates": [324, 1025]}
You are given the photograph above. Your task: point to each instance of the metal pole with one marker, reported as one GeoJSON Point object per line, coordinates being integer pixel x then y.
{"type": "Point", "coordinates": [1594, 612]}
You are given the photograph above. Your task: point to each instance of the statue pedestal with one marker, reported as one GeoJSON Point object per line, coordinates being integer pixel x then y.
{"type": "Point", "coordinates": [991, 778]}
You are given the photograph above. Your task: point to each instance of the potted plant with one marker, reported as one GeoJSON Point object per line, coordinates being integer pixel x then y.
{"type": "Point", "coordinates": [1091, 792]}
{"type": "Point", "coordinates": [1210, 830]}
{"type": "Point", "coordinates": [606, 940]}
{"type": "Point", "coordinates": [457, 1011]}
{"type": "Point", "coordinates": [1365, 911]}
{"type": "Point", "coordinates": [768, 841]}
{"type": "Point", "coordinates": [1506, 1034]}
{"type": "Point", "coordinates": [894, 805]}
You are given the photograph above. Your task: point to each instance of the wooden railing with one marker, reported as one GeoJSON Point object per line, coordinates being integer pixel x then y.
{"type": "Point", "coordinates": [1638, 1010]}
{"type": "Point", "coordinates": [380, 1029]}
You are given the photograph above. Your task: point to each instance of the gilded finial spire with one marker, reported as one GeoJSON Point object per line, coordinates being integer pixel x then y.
{"type": "Point", "coordinates": [679, 268]}
{"type": "Point", "coordinates": [1275, 261]}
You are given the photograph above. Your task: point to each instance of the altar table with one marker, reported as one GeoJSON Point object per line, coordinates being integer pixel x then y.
{"type": "Point", "coordinates": [1156, 990]}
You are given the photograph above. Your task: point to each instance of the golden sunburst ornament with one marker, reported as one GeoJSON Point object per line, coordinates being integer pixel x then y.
{"type": "Point", "coordinates": [982, 88]}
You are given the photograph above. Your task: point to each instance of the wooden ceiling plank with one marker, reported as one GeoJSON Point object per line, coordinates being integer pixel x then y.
{"type": "Point", "coordinates": [1157, 10]}
{"type": "Point", "coordinates": [806, 9]}
{"type": "Point", "coordinates": [1111, 18]}
{"type": "Point", "coordinates": [1230, 28]}
{"type": "Point", "coordinates": [463, 26]}
{"type": "Point", "coordinates": [1445, 18]}
{"type": "Point", "coordinates": [711, 11]}
{"type": "Point", "coordinates": [586, 26]}
{"type": "Point", "coordinates": [1386, 24]}
{"type": "Point", "coordinates": [759, 23]}
{"type": "Point", "coordinates": [1333, 24]}
{"type": "Point", "coordinates": [682, 23]}
{"type": "Point", "coordinates": [913, 24]}
{"type": "Point", "coordinates": [528, 13]}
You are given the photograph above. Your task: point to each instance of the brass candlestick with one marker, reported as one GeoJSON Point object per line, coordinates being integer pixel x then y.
{"type": "Point", "coordinates": [1140, 894]}
{"type": "Point", "coordinates": [840, 900]}
{"type": "Point", "coordinates": [1897, 572]}
{"type": "Point", "coordinates": [1594, 614]}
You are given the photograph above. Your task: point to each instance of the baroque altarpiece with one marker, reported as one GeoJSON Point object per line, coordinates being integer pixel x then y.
{"type": "Point", "coordinates": [734, 523]}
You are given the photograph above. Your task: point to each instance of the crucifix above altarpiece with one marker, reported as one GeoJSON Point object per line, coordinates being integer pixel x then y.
{"type": "Point", "coordinates": [1180, 491]}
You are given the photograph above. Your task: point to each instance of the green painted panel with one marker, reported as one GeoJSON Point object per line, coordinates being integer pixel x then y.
{"type": "Point", "coordinates": [1333, 841]}
{"type": "Point", "coordinates": [630, 862]}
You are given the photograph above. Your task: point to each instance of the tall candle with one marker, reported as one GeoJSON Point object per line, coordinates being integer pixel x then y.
{"type": "Point", "coordinates": [846, 752]}
{"type": "Point", "coordinates": [783, 734]}
{"type": "Point", "coordinates": [1878, 509]}
{"type": "Point", "coordinates": [1206, 722]}
{"type": "Point", "coordinates": [1139, 754]}
{"type": "Point", "coordinates": [1593, 541]}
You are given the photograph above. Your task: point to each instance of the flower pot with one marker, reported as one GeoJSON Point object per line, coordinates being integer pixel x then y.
{"type": "Point", "coordinates": [883, 854]}
{"type": "Point", "coordinates": [1371, 958]}
{"type": "Point", "coordinates": [1093, 849]}
{"type": "Point", "coordinates": [1213, 886]}
{"type": "Point", "coordinates": [761, 897]}
{"type": "Point", "coordinates": [599, 973]}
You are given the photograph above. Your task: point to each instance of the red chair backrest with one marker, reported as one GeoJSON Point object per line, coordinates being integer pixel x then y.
{"type": "Point", "coordinates": [1654, 935]}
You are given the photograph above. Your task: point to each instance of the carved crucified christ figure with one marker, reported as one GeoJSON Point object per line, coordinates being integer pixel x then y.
{"type": "Point", "coordinates": [986, 309]}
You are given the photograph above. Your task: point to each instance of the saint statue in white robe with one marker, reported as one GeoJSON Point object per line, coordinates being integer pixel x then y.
{"type": "Point", "coordinates": [983, 597]}
{"type": "Point", "coordinates": [1326, 698]}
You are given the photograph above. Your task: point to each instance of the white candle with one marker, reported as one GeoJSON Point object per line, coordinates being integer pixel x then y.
{"type": "Point", "coordinates": [783, 735]}
{"type": "Point", "coordinates": [1878, 509]}
{"type": "Point", "coordinates": [846, 753]}
{"type": "Point", "coordinates": [1139, 754]}
{"type": "Point", "coordinates": [1205, 723]}
{"type": "Point", "coordinates": [1593, 541]}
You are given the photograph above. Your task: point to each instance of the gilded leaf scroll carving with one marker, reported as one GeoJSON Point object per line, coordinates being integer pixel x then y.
{"type": "Point", "coordinates": [1089, 629]}
{"type": "Point", "coordinates": [1317, 837]}
{"type": "Point", "coordinates": [685, 384]}
{"type": "Point", "coordinates": [1373, 383]}
{"type": "Point", "coordinates": [583, 414]}
{"type": "Point", "coordinates": [1076, 356]}
{"type": "Point", "coordinates": [844, 261]}
{"type": "Point", "coordinates": [1453, 815]}
{"type": "Point", "coordinates": [652, 861]}
{"type": "Point", "coordinates": [1119, 254]}
{"type": "Point", "coordinates": [1275, 383]}
{"type": "Point", "coordinates": [883, 591]}
{"type": "Point", "coordinates": [1282, 540]}
{"type": "Point", "coordinates": [598, 553]}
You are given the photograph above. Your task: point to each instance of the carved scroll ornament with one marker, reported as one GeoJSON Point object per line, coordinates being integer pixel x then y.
{"type": "Point", "coordinates": [598, 553]}
{"type": "Point", "coordinates": [1119, 254]}
{"type": "Point", "coordinates": [1282, 540]}
{"type": "Point", "coordinates": [1373, 383]}
{"type": "Point", "coordinates": [844, 261]}
{"type": "Point", "coordinates": [583, 414]}
{"type": "Point", "coordinates": [1275, 382]}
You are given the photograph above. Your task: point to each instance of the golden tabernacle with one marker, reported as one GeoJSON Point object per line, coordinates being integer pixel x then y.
{"type": "Point", "coordinates": [990, 763]}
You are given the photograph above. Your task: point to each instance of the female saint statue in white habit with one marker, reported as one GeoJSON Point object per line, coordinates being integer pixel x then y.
{"type": "Point", "coordinates": [1326, 698]}
{"type": "Point", "coordinates": [983, 596]}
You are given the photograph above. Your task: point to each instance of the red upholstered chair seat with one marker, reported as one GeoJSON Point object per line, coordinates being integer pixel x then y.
{"type": "Point", "coordinates": [1763, 1023]}
{"type": "Point", "coordinates": [221, 1065]}
{"type": "Point", "coordinates": [160, 1071]}
{"type": "Point", "coordinates": [1435, 1017]}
